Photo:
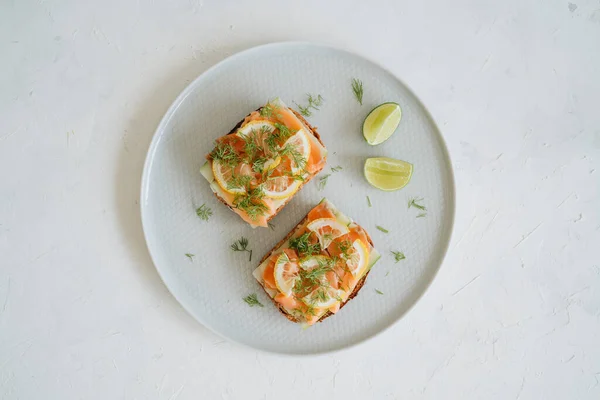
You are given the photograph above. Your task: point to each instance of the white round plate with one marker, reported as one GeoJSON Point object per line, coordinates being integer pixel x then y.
{"type": "Point", "coordinates": [211, 285]}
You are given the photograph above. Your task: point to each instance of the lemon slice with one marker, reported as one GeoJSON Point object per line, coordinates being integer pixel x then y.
{"type": "Point", "coordinates": [286, 274]}
{"type": "Point", "coordinates": [223, 175]}
{"type": "Point", "coordinates": [327, 230]}
{"type": "Point", "coordinates": [259, 127]}
{"type": "Point", "coordinates": [281, 187]}
{"type": "Point", "coordinates": [358, 258]}
{"type": "Point", "coordinates": [272, 163]}
{"type": "Point", "coordinates": [301, 144]}
{"type": "Point", "coordinates": [387, 173]}
{"type": "Point", "coordinates": [381, 123]}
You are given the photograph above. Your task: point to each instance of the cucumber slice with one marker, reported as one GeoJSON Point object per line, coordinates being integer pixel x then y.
{"type": "Point", "coordinates": [206, 172]}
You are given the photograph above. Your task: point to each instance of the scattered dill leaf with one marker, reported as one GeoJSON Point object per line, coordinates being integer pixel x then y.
{"type": "Point", "coordinates": [382, 229]}
{"type": "Point", "coordinates": [252, 300]}
{"type": "Point", "coordinates": [323, 181]}
{"type": "Point", "coordinates": [304, 110]}
{"type": "Point", "coordinates": [313, 104]}
{"type": "Point", "coordinates": [357, 88]}
{"type": "Point", "coordinates": [369, 201]}
{"type": "Point", "coordinates": [190, 256]}
{"type": "Point", "coordinates": [241, 245]}
{"type": "Point", "coordinates": [421, 215]}
{"type": "Point", "coordinates": [398, 255]}
{"type": "Point", "coordinates": [336, 169]}
{"type": "Point", "coordinates": [378, 291]}
{"type": "Point", "coordinates": [204, 212]}
{"type": "Point", "coordinates": [387, 273]}
{"type": "Point", "coordinates": [414, 202]}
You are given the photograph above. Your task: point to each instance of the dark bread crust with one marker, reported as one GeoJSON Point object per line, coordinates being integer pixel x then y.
{"type": "Point", "coordinates": [312, 130]}
{"type": "Point", "coordinates": [282, 310]}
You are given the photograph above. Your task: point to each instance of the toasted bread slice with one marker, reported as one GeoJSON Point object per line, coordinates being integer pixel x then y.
{"type": "Point", "coordinates": [285, 244]}
{"type": "Point", "coordinates": [279, 203]}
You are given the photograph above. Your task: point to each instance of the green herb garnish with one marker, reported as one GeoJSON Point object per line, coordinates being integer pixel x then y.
{"type": "Point", "coordinates": [204, 212]}
{"type": "Point", "coordinates": [259, 164]}
{"type": "Point", "coordinates": [398, 255]}
{"type": "Point", "coordinates": [357, 88]}
{"type": "Point", "coordinates": [267, 110]}
{"type": "Point", "coordinates": [369, 201]}
{"type": "Point", "coordinates": [190, 256]}
{"type": "Point", "coordinates": [225, 153]}
{"type": "Point", "coordinates": [303, 245]}
{"type": "Point", "coordinates": [336, 169]}
{"type": "Point", "coordinates": [252, 300]}
{"type": "Point", "coordinates": [323, 181]}
{"type": "Point", "coordinates": [382, 229]}
{"type": "Point", "coordinates": [297, 158]}
{"type": "Point", "coordinates": [313, 103]}
{"type": "Point", "coordinates": [413, 202]}
{"type": "Point", "coordinates": [421, 215]}
{"type": "Point", "coordinates": [241, 245]}
{"type": "Point", "coordinates": [239, 181]}
{"type": "Point", "coordinates": [251, 203]}
{"type": "Point", "coordinates": [378, 291]}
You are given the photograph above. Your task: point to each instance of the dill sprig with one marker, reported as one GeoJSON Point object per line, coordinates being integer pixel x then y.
{"type": "Point", "coordinates": [295, 155]}
{"type": "Point", "coordinates": [398, 255]}
{"type": "Point", "coordinates": [259, 164]}
{"type": "Point", "coordinates": [239, 181]}
{"type": "Point", "coordinates": [315, 274]}
{"type": "Point", "coordinates": [323, 181]}
{"type": "Point", "coordinates": [241, 245]}
{"type": "Point", "coordinates": [267, 110]}
{"type": "Point", "coordinates": [378, 291]}
{"type": "Point", "coordinates": [313, 104]}
{"type": "Point", "coordinates": [357, 88]}
{"type": "Point", "coordinates": [251, 203]}
{"type": "Point", "coordinates": [225, 153]}
{"type": "Point", "coordinates": [382, 229]}
{"type": "Point", "coordinates": [251, 143]}
{"type": "Point", "coordinates": [190, 256]}
{"type": "Point", "coordinates": [421, 215]}
{"type": "Point", "coordinates": [252, 300]}
{"type": "Point", "coordinates": [204, 212]}
{"type": "Point", "coordinates": [369, 201]}
{"type": "Point", "coordinates": [284, 131]}
{"type": "Point", "coordinates": [303, 246]}
{"type": "Point", "coordinates": [336, 169]}
{"type": "Point", "coordinates": [414, 202]}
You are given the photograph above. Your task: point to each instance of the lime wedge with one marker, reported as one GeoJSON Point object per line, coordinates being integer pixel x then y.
{"type": "Point", "coordinates": [381, 122]}
{"type": "Point", "coordinates": [387, 174]}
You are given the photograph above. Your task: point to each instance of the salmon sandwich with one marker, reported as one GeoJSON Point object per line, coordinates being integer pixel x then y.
{"type": "Point", "coordinates": [318, 267]}
{"type": "Point", "coordinates": [266, 158]}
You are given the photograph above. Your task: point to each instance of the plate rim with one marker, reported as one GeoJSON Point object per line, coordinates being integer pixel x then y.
{"type": "Point", "coordinates": [150, 158]}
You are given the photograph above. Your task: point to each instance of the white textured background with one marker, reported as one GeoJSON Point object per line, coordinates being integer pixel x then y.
{"type": "Point", "coordinates": [515, 310]}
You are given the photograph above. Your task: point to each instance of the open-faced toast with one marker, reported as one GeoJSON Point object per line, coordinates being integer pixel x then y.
{"type": "Point", "coordinates": [318, 267]}
{"type": "Point", "coordinates": [258, 167]}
